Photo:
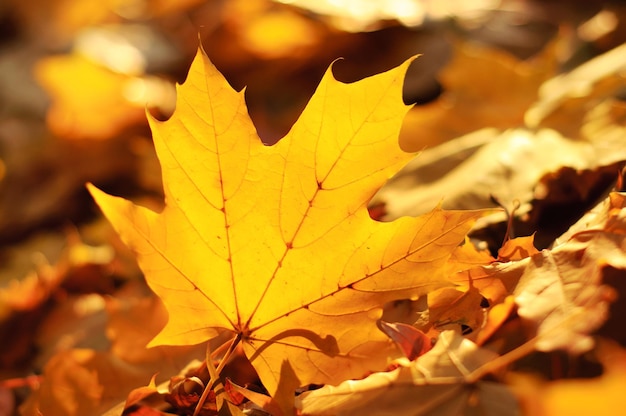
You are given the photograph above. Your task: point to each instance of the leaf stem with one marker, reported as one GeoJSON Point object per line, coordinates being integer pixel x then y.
{"type": "Point", "coordinates": [502, 361]}
{"type": "Point", "coordinates": [215, 372]}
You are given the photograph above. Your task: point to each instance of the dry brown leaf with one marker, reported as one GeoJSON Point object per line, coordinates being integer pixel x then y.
{"type": "Point", "coordinates": [559, 293]}
{"type": "Point", "coordinates": [82, 382]}
{"type": "Point", "coordinates": [435, 383]}
{"type": "Point", "coordinates": [92, 380]}
{"type": "Point", "coordinates": [483, 87]}
{"type": "Point", "coordinates": [565, 100]}
{"type": "Point", "coordinates": [508, 164]}
{"type": "Point", "coordinates": [517, 249]}
{"type": "Point", "coordinates": [509, 167]}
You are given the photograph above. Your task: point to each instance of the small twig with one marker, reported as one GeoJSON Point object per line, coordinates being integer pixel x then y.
{"type": "Point", "coordinates": [509, 234]}
{"type": "Point", "coordinates": [219, 350]}
{"type": "Point", "coordinates": [502, 361]}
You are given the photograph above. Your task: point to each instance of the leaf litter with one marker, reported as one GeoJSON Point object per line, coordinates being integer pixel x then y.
{"type": "Point", "coordinates": [557, 296]}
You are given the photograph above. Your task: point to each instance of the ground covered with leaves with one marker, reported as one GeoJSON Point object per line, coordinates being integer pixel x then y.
{"type": "Point", "coordinates": [389, 233]}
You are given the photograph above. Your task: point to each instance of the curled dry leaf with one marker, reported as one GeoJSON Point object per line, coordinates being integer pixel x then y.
{"type": "Point", "coordinates": [559, 293]}
{"type": "Point", "coordinates": [413, 342]}
{"type": "Point", "coordinates": [438, 382]}
{"type": "Point", "coordinates": [560, 99]}
{"type": "Point", "coordinates": [517, 249]}
{"type": "Point", "coordinates": [274, 244]}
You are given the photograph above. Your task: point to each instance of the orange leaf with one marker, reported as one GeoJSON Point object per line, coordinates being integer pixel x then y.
{"type": "Point", "coordinates": [517, 248]}
{"type": "Point", "coordinates": [140, 393]}
{"type": "Point", "coordinates": [88, 100]}
{"type": "Point", "coordinates": [82, 382]}
{"type": "Point", "coordinates": [450, 306]}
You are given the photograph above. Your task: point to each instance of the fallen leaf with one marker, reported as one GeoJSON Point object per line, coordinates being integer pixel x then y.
{"type": "Point", "coordinates": [559, 293]}
{"type": "Point", "coordinates": [449, 306]}
{"type": "Point", "coordinates": [138, 394]}
{"type": "Point", "coordinates": [411, 340]}
{"type": "Point", "coordinates": [89, 100]}
{"type": "Point", "coordinates": [274, 243]}
{"type": "Point", "coordinates": [435, 383]}
{"type": "Point", "coordinates": [517, 249]}
{"type": "Point", "coordinates": [506, 164]}
{"type": "Point", "coordinates": [82, 382]}
{"type": "Point", "coordinates": [496, 317]}
{"type": "Point", "coordinates": [264, 402]}
{"type": "Point", "coordinates": [565, 99]}
{"type": "Point", "coordinates": [509, 159]}
{"type": "Point", "coordinates": [467, 256]}
{"type": "Point", "coordinates": [482, 87]}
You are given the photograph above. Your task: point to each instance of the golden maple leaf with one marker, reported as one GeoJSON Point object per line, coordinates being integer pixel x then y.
{"type": "Point", "coordinates": [275, 243]}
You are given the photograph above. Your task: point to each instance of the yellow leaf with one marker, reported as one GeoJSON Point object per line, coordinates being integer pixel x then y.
{"type": "Point", "coordinates": [274, 243]}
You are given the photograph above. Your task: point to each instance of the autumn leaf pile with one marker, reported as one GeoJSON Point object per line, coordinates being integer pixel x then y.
{"type": "Point", "coordinates": [273, 248]}
{"type": "Point", "coordinates": [326, 274]}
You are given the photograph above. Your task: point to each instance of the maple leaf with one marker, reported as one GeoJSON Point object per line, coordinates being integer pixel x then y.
{"type": "Point", "coordinates": [274, 243]}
